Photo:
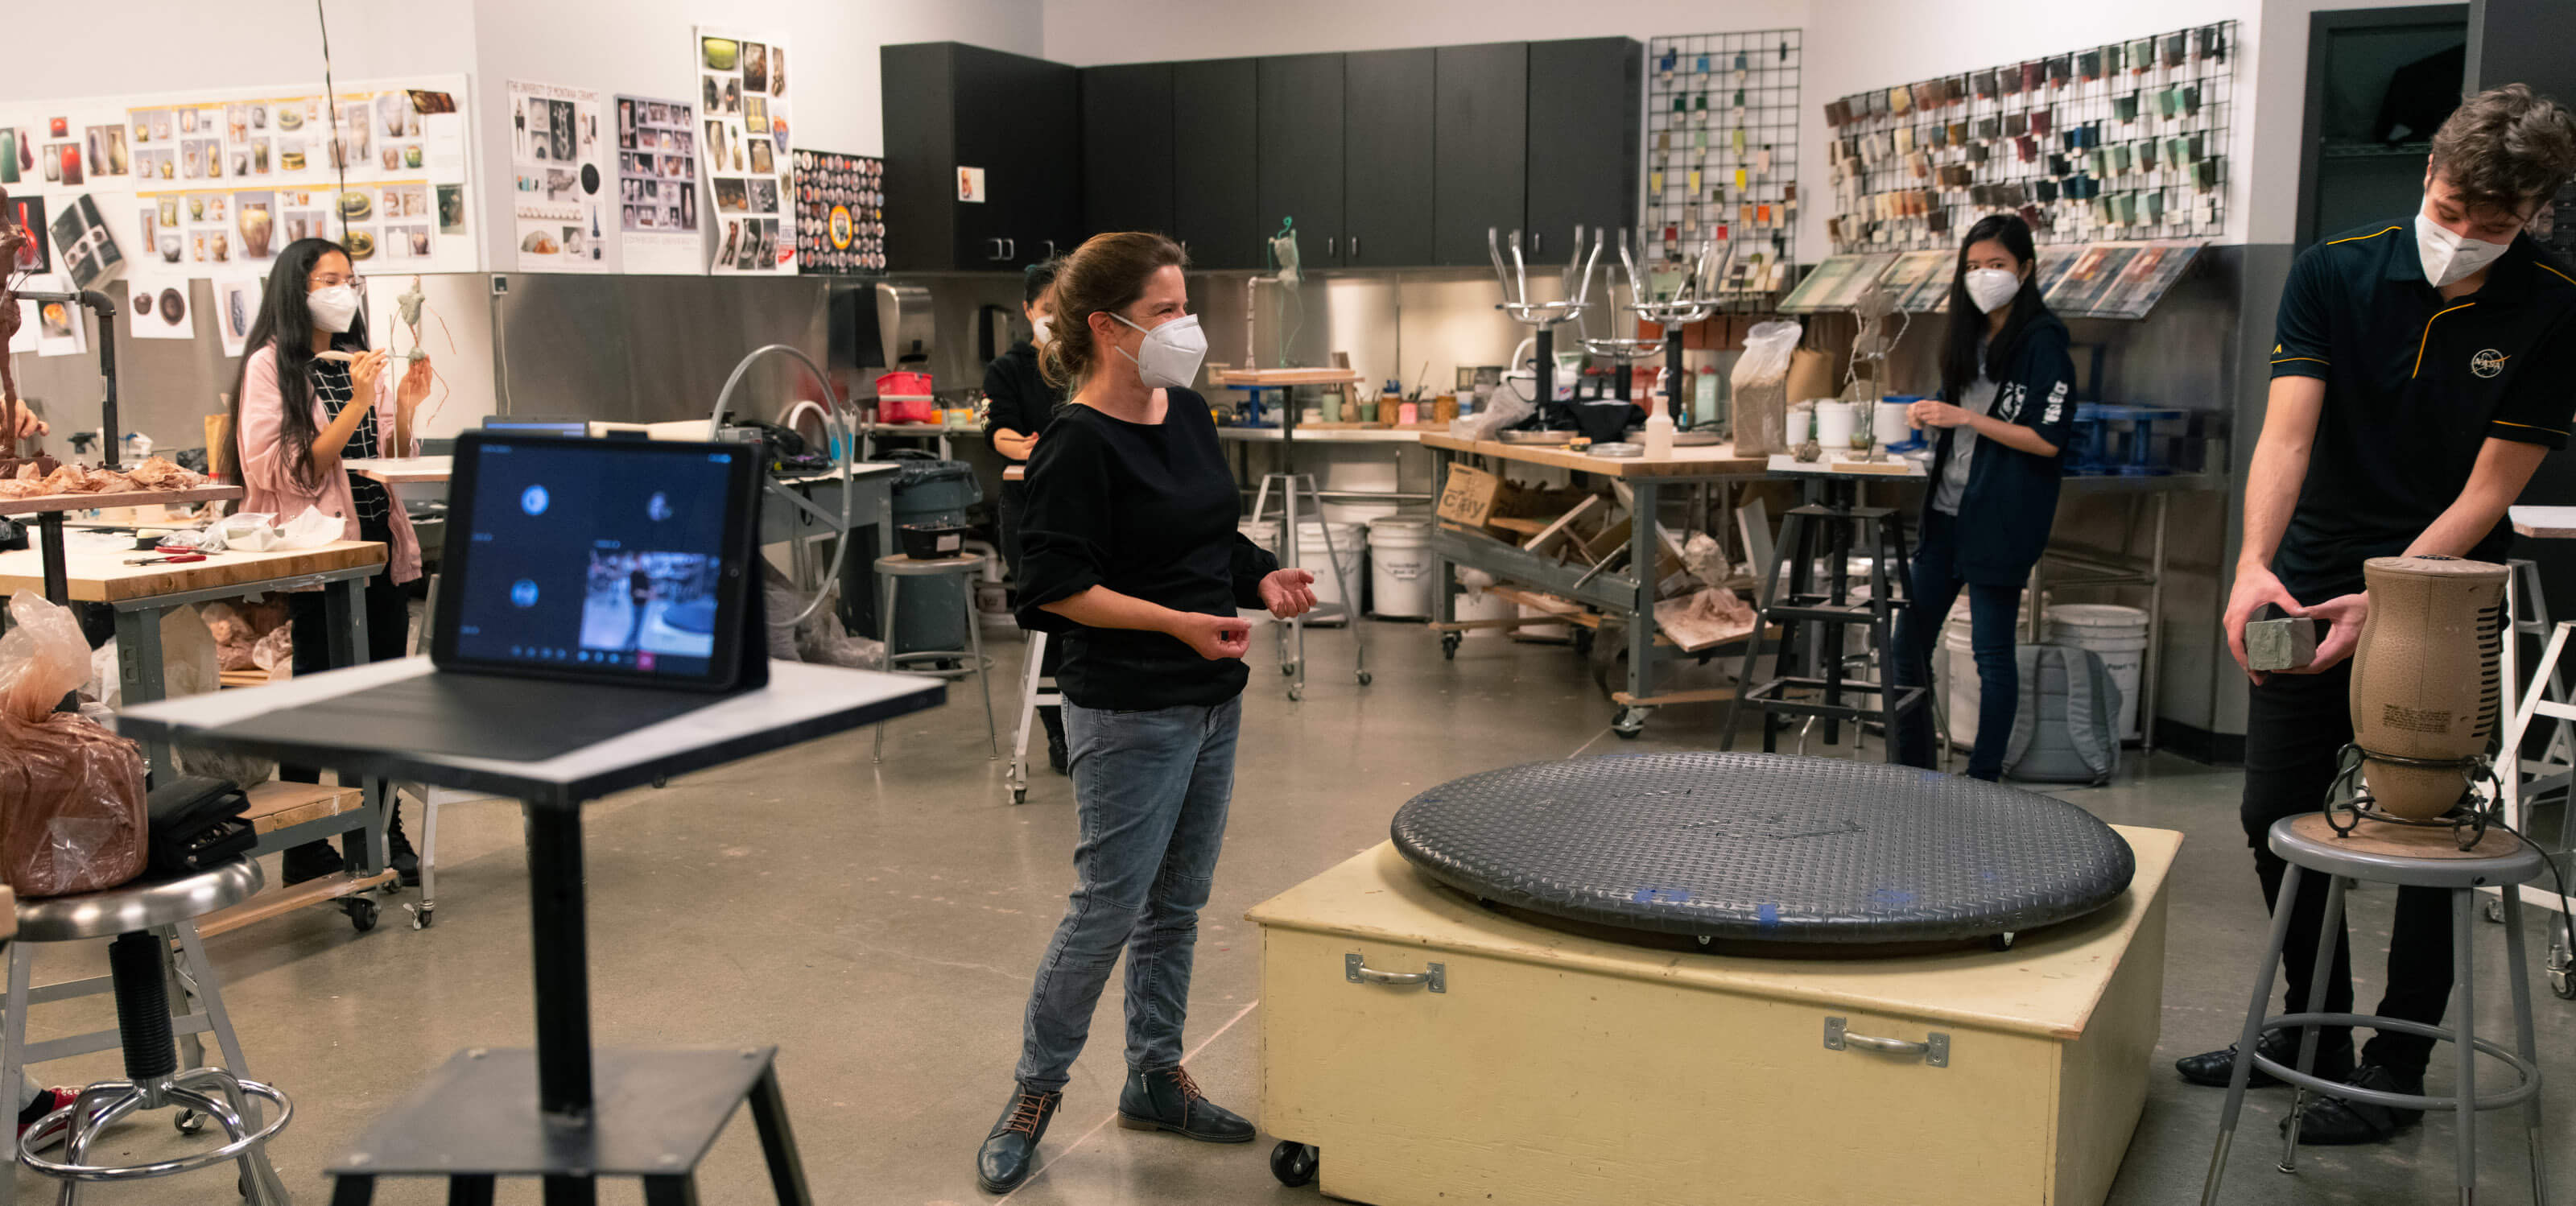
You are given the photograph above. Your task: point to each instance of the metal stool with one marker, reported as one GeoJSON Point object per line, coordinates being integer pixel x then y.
{"type": "Point", "coordinates": [2404, 856]}
{"type": "Point", "coordinates": [1037, 690]}
{"type": "Point", "coordinates": [137, 916]}
{"type": "Point", "coordinates": [891, 571]}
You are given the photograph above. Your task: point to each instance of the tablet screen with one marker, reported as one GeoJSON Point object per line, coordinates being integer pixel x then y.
{"type": "Point", "coordinates": [597, 559]}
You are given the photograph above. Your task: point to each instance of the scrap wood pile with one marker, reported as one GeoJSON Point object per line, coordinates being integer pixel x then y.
{"type": "Point", "coordinates": [1697, 605]}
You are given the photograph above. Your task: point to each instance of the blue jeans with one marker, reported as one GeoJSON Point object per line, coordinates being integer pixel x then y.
{"type": "Point", "coordinates": [1991, 637]}
{"type": "Point", "coordinates": [1152, 787]}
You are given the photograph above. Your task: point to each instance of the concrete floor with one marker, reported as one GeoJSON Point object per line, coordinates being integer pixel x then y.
{"type": "Point", "coordinates": [880, 924]}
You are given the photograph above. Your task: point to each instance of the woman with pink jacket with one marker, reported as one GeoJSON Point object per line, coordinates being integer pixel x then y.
{"type": "Point", "coordinates": [295, 418]}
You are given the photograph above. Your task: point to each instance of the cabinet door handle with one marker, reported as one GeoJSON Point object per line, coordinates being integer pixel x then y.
{"type": "Point", "coordinates": [1933, 1050]}
{"type": "Point", "coordinates": [1355, 247]}
{"type": "Point", "coordinates": [1332, 245]}
{"type": "Point", "coordinates": [998, 253]}
{"type": "Point", "coordinates": [1434, 976]}
{"type": "Point", "coordinates": [1014, 252]}
{"type": "Point", "coordinates": [1538, 242]}
{"type": "Point", "coordinates": [1050, 244]}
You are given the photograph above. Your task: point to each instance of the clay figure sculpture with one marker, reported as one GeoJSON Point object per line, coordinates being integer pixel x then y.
{"type": "Point", "coordinates": [13, 239]}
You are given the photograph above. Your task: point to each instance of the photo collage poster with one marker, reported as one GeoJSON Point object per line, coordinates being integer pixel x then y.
{"type": "Point", "coordinates": [742, 143]}
{"type": "Point", "coordinates": [840, 213]}
{"type": "Point", "coordinates": [657, 186]}
{"type": "Point", "coordinates": [560, 173]}
{"type": "Point", "coordinates": [226, 183]}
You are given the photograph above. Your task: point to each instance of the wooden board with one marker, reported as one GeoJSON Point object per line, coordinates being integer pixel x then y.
{"type": "Point", "coordinates": [2544, 523]}
{"type": "Point", "coordinates": [1627, 1058]}
{"type": "Point", "coordinates": [1288, 376]}
{"type": "Point", "coordinates": [129, 498]}
{"type": "Point", "coordinates": [100, 575]}
{"type": "Point", "coordinates": [1714, 460]}
{"type": "Point", "coordinates": [403, 471]}
{"type": "Point", "coordinates": [275, 805]}
{"type": "Point", "coordinates": [2403, 841]}
{"type": "Point", "coordinates": [277, 902]}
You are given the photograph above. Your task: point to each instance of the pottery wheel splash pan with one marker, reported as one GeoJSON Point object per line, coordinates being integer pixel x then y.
{"type": "Point", "coordinates": [1765, 848]}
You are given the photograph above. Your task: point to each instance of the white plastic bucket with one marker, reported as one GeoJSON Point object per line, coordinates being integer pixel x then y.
{"type": "Point", "coordinates": [1400, 566]}
{"type": "Point", "coordinates": [1834, 423]}
{"type": "Point", "coordinates": [2117, 635]}
{"type": "Point", "coordinates": [1349, 549]}
{"type": "Point", "coordinates": [1891, 424]}
{"type": "Point", "coordinates": [1954, 669]}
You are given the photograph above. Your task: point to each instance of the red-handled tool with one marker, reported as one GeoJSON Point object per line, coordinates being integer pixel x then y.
{"type": "Point", "coordinates": [170, 560]}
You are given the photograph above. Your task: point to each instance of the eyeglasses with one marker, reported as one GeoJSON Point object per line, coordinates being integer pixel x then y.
{"type": "Point", "coordinates": [325, 280]}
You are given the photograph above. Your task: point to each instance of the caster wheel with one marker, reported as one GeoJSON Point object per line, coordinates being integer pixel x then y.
{"type": "Point", "coordinates": [1365, 678]}
{"type": "Point", "coordinates": [188, 1122]}
{"type": "Point", "coordinates": [1019, 795]}
{"type": "Point", "coordinates": [659, 782]}
{"type": "Point", "coordinates": [422, 916]}
{"type": "Point", "coordinates": [1295, 693]}
{"type": "Point", "coordinates": [1629, 723]}
{"type": "Point", "coordinates": [2563, 983]}
{"type": "Point", "coordinates": [1288, 669]}
{"type": "Point", "coordinates": [362, 913]}
{"type": "Point", "coordinates": [1449, 645]}
{"type": "Point", "coordinates": [2001, 942]}
{"type": "Point", "coordinates": [1293, 1163]}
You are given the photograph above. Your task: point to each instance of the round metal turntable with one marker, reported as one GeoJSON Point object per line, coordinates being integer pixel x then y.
{"type": "Point", "coordinates": [1765, 847]}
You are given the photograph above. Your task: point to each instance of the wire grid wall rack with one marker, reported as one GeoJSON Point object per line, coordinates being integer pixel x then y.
{"type": "Point", "coordinates": [2125, 140]}
{"type": "Point", "coordinates": [1721, 155]}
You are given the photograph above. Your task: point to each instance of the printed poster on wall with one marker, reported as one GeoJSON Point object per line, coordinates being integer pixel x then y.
{"type": "Point", "coordinates": [89, 253]}
{"type": "Point", "coordinates": [561, 171]}
{"type": "Point", "coordinates": [657, 186]}
{"type": "Point", "coordinates": [237, 299]}
{"type": "Point", "coordinates": [840, 213]}
{"type": "Point", "coordinates": [742, 144]}
{"type": "Point", "coordinates": [159, 304]}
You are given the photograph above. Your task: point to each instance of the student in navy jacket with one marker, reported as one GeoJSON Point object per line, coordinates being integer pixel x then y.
{"type": "Point", "coordinates": [2001, 426]}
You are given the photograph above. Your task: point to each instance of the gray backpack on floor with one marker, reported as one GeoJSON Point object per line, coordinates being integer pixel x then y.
{"type": "Point", "coordinates": [2066, 727]}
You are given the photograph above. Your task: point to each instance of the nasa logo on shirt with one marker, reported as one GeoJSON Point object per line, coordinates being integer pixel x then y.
{"type": "Point", "coordinates": [2487, 363]}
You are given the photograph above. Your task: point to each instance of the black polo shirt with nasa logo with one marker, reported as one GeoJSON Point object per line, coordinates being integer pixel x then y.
{"type": "Point", "coordinates": [2415, 385]}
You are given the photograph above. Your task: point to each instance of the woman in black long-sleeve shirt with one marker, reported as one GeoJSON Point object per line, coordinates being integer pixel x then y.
{"type": "Point", "coordinates": [1018, 403]}
{"type": "Point", "coordinates": [1130, 554]}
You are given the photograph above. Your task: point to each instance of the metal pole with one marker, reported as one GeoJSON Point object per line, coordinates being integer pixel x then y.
{"type": "Point", "coordinates": [556, 926]}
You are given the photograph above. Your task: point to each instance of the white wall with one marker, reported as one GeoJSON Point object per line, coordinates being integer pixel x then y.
{"type": "Point", "coordinates": [169, 46]}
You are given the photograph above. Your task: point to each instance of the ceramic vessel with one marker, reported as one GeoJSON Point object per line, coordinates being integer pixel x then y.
{"type": "Point", "coordinates": [2424, 682]}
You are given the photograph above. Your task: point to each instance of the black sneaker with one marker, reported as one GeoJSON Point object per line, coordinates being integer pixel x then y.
{"type": "Point", "coordinates": [1166, 1099]}
{"type": "Point", "coordinates": [312, 860]}
{"type": "Point", "coordinates": [1058, 757]}
{"type": "Point", "coordinates": [2210, 1069]}
{"type": "Point", "coordinates": [1010, 1151]}
{"type": "Point", "coordinates": [398, 850]}
{"type": "Point", "coordinates": [2336, 1121]}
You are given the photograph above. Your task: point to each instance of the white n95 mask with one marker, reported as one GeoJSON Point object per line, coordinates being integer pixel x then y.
{"type": "Point", "coordinates": [1171, 355]}
{"type": "Point", "coordinates": [1041, 329]}
{"type": "Point", "coordinates": [333, 308]}
{"type": "Point", "coordinates": [1992, 288]}
{"type": "Point", "coordinates": [2449, 258]}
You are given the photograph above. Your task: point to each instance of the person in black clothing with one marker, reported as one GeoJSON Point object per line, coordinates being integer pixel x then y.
{"type": "Point", "coordinates": [1132, 560]}
{"type": "Point", "coordinates": [639, 595]}
{"type": "Point", "coordinates": [2420, 372]}
{"type": "Point", "coordinates": [2004, 418]}
{"type": "Point", "coordinates": [1018, 402]}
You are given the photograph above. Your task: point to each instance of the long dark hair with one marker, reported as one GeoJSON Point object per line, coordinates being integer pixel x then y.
{"type": "Point", "coordinates": [1968, 323]}
{"type": "Point", "coordinates": [285, 324]}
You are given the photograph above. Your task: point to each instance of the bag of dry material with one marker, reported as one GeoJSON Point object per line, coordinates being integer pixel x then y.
{"type": "Point", "coordinates": [71, 793]}
{"type": "Point", "coordinates": [275, 653]}
{"type": "Point", "coordinates": [781, 599]}
{"type": "Point", "coordinates": [190, 662]}
{"type": "Point", "coordinates": [1761, 388]}
{"type": "Point", "coordinates": [234, 635]}
{"type": "Point", "coordinates": [824, 641]}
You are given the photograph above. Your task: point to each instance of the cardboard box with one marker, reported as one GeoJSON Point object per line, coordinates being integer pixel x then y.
{"type": "Point", "coordinates": [1467, 498]}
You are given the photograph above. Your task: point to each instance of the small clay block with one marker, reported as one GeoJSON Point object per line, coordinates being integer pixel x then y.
{"type": "Point", "coordinates": [2283, 644]}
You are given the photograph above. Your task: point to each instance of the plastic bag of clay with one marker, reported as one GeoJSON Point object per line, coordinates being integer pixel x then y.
{"type": "Point", "coordinates": [1761, 387]}
{"type": "Point", "coordinates": [275, 653]}
{"type": "Point", "coordinates": [823, 641]}
{"type": "Point", "coordinates": [71, 793]}
{"type": "Point", "coordinates": [1507, 409]}
{"type": "Point", "coordinates": [782, 600]}
{"type": "Point", "coordinates": [1705, 559]}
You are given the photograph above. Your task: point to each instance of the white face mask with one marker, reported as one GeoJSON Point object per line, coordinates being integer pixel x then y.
{"type": "Point", "coordinates": [1171, 354]}
{"type": "Point", "coordinates": [1992, 288]}
{"type": "Point", "coordinates": [333, 308]}
{"type": "Point", "coordinates": [2449, 258]}
{"type": "Point", "coordinates": [1041, 329]}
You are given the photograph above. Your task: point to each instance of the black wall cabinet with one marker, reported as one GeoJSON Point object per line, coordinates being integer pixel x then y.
{"type": "Point", "coordinates": [1302, 161]}
{"type": "Point", "coordinates": [1216, 206]}
{"type": "Point", "coordinates": [1387, 158]}
{"type": "Point", "coordinates": [1127, 147]}
{"type": "Point", "coordinates": [1480, 147]}
{"type": "Point", "coordinates": [1583, 136]}
{"type": "Point", "coordinates": [952, 106]}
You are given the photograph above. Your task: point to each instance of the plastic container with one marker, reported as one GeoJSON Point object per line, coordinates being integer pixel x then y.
{"type": "Point", "coordinates": [1890, 424]}
{"type": "Point", "coordinates": [2117, 635]}
{"type": "Point", "coordinates": [1477, 605]}
{"type": "Point", "coordinates": [906, 398]}
{"type": "Point", "coordinates": [1834, 423]}
{"type": "Point", "coordinates": [932, 541]}
{"type": "Point", "coordinates": [1400, 566]}
{"type": "Point", "coordinates": [1349, 549]}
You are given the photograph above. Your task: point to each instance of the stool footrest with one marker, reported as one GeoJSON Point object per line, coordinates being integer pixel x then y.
{"type": "Point", "coordinates": [2527, 1076]}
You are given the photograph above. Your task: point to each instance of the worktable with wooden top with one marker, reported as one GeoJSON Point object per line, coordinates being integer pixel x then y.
{"type": "Point", "coordinates": [96, 572]}
{"type": "Point", "coordinates": [1641, 483]}
{"type": "Point", "coordinates": [49, 510]}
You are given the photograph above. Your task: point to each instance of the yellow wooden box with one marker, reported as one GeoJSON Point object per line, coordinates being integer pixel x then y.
{"type": "Point", "coordinates": [1557, 1068]}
